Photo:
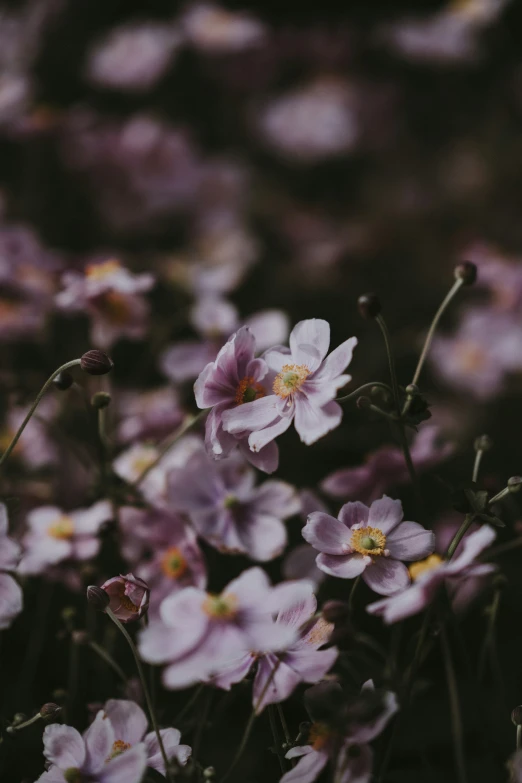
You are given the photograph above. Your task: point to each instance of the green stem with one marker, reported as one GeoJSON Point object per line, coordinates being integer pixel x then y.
{"type": "Point", "coordinates": [190, 422]}
{"type": "Point", "coordinates": [34, 406]}
{"type": "Point", "coordinates": [277, 740]}
{"type": "Point", "coordinates": [351, 599]}
{"type": "Point", "coordinates": [95, 647]}
{"type": "Point", "coordinates": [19, 726]}
{"type": "Point", "coordinates": [431, 332]}
{"type": "Point", "coordinates": [146, 693]}
{"type": "Point", "coordinates": [499, 496]}
{"type": "Point", "coordinates": [456, 718]}
{"type": "Point", "coordinates": [284, 724]}
{"type": "Point", "coordinates": [489, 641]}
{"type": "Point", "coordinates": [476, 465]}
{"type": "Point", "coordinates": [391, 362]}
{"type": "Point", "coordinates": [519, 737]}
{"type": "Point", "coordinates": [459, 535]}
{"type": "Point", "coordinates": [353, 394]}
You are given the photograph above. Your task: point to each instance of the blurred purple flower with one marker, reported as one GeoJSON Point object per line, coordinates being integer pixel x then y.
{"type": "Point", "coordinates": [11, 598]}
{"type": "Point", "coordinates": [386, 468]}
{"type": "Point", "coordinates": [129, 597]}
{"type": "Point", "coordinates": [197, 632]}
{"type": "Point", "coordinates": [148, 415]}
{"type": "Point", "coordinates": [431, 574]}
{"type": "Point", "coordinates": [229, 511]}
{"type": "Point", "coordinates": [370, 542]}
{"type": "Point", "coordinates": [132, 56]}
{"type": "Point", "coordinates": [278, 674]}
{"type": "Point", "coordinates": [55, 535]}
{"type": "Point", "coordinates": [215, 30]}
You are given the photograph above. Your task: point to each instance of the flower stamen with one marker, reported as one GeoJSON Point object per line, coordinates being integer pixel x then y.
{"type": "Point", "coordinates": [173, 564]}
{"type": "Point", "coordinates": [249, 390]}
{"type": "Point", "coordinates": [62, 529]}
{"type": "Point", "coordinates": [290, 379]}
{"type": "Point", "coordinates": [221, 607]}
{"type": "Point", "coordinates": [368, 541]}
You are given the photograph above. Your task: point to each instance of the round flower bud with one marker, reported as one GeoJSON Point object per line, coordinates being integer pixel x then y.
{"type": "Point", "coordinates": [336, 611]}
{"type": "Point", "coordinates": [98, 598]}
{"type": "Point", "coordinates": [483, 443]}
{"type": "Point", "coordinates": [467, 272]}
{"type": "Point", "coordinates": [101, 400]}
{"type": "Point", "coordinates": [209, 773]}
{"type": "Point", "coordinates": [63, 381]}
{"type": "Point", "coordinates": [514, 483]}
{"type": "Point", "coordinates": [516, 716]}
{"type": "Point", "coordinates": [50, 711]}
{"type": "Point", "coordinates": [363, 402]}
{"type": "Point", "coordinates": [96, 363]}
{"type": "Point", "coordinates": [369, 305]}
{"type": "Point", "coordinates": [412, 390]}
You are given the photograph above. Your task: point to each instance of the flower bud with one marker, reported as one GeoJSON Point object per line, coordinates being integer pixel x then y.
{"type": "Point", "coordinates": [412, 390]}
{"type": "Point", "coordinates": [369, 305]}
{"type": "Point", "coordinates": [467, 272]}
{"type": "Point", "coordinates": [483, 443]}
{"type": "Point", "coordinates": [336, 611]}
{"type": "Point", "coordinates": [63, 381]}
{"type": "Point", "coordinates": [516, 716]}
{"type": "Point", "coordinates": [50, 711]}
{"type": "Point", "coordinates": [363, 402]}
{"type": "Point", "coordinates": [96, 363]}
{"type": "Point", "coordinates": [514, 483]}
{"type": "Point", "coordinates": [128, 597]}
{"type": "Point", "coordinates": [209, 773]}
{"type": "Point", "coordinates": [97, 598]}
{"type": "Point", "coordinates": [101, 400]}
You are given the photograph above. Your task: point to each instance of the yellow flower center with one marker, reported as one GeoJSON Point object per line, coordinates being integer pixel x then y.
{"type": "Point", "coordinates": [290, 379]}
{"type": "Point", "coordinates": [63, 528]}
{"type": "Point", "coordinates": [143, 461]}
{"type": "Point", "coordinates": [221, 607]}
{"type": "Point", "coordinates": [115, 306]}
{"type": "Point", "coordinates": [368, 541]}
{"type": "Point", "coordinates": [471, 356]}
{"type": "Point", "coordinates": [422, 566]}
{"type": "Point", "coordinates": [119, 747]}
{"type": "Point", "coordinates": [101, 271]}
{"type": "Point", "coordinates": [173, 564]}
{"type": "Point", "coordinates": [249, 390]}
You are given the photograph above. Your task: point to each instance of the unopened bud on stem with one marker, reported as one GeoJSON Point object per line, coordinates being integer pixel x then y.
{"type": "Point", "coordinates": [96, 363]}
{"type": "Point", "coordinates": [483, 443]}
{"type": "Point", "coordinates": [100, 400]}
{"type": "Point", "coordinates": [467, 272]}
{"type": "Point", "coordinates": [50, 711]}
{"type": "Point", "coordinates": [97, 598]}
{"type": "Point", "coordinates": [369, 305]}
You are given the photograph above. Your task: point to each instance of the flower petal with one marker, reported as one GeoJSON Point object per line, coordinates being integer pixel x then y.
{"type": "Point", "coordinates": [309, 342]}
{"type": "Point", "coordinates": [128, 767]}
{"type": "Point", "coordinates": [312, 422]}
{"type": "Point", "coordinates": [344, 567]}
{"type": "Point", "coordinates": [99, 739]}
{"type": "Point", "coordinates": [410, 541]}
{"type": "Point", "coordinates": [128, 720]}
{"type": "Point", "coordinates": [260, 440]}
{"type": "Point", "coordinates": [337, 361]}
{"type": "Point", "coordinates": [385, 514]}
{"type": "Point", "coordinates": [252, 416]}
{"type": "Point", "coordinates": [308, 769]}
{"type": "Point", "coordinates": [354, 514]}
{"type": "Point", "coordinates": [326, 533]}
{"type": "Point", "coordinates": [63, 746]}
{"type": "Point", "coordinates": [386, 576]}
{"type": "Point", "coordinates": [11, 600]}
{"type": "Point", "coordinates": [274, 682]}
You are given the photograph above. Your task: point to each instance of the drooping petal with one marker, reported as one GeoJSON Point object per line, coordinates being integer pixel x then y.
{"type": "Point", "coordinates": [410, 541]}
{"type": "Point", "coordinates": [310, 664]}
{"type": "Point", "coordinates": [326, 533]}
{"type": "Point", "coordinates": [385, 514]}
{"type": "Point", "coordinates": [10, 552]}
{"type": "Point", "coordinates": [410, 602]}
{"type": "Point", "coordinates": [309, 342]}
{"type": "Point", "coordinates": [63, 746]}
{"type": "Point", "coordinates": [260, 440]}
{"type": "Point", "coordinates": [128, 766]}
{"type": "Point", "coordinates": [313, 422]}
{"type": "Point", "coordinates": [370, 729]}
{"type": "Point", "coordinates": [472, 546]}
{"type": "Point", "coordinates": [308, 769]}
{"type": "Point", "coordinates": [386, 576]}
{"type": "Point", "coordinates": [266, 459]}
{"type": "Point", "coordinates": [344, 567]}
{"type": "Point", "coordinates": [99, 739]}
{"type": "Point", "coordinates": [128, 720]}
{"type": "Point", "coordinates": [251, 416]}
{"type": "Point", "coordinates": [233, 671]}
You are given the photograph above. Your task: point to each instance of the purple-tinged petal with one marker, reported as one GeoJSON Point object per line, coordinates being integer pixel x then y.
{"type": "Point", "coordinates": [308, 769]}
{"type": "Point", "coordinates": [309, 342]}
{"type": "Point", "coordinates": [273, 683]}
{"type": "Point", "coordinates": [385, 514]}
{"type": "Point", "coordinates": [128, 766]}
{"type": "Point", "coordinates": [63, 746]}
{"type": "Point", "coordinates": [128, 720]}
{"type": "Point", "coordinates": [266, 459]}
{"type": "Point", "coordinates": [53, 775]}
{"type": "Point", "coordinates": [252, 415]}
{"type": "Point", "coordinates": [368, 731]}
{"type": "Point", "coordinates": [269, 327]}
{"type": "Point", "coordinates": [293, 602]}
{"type": "Point", "coordinates": [277, 498]}
{"type": "Point", "coordinates": [327, 534]}
{"type": "Point", "coordinates": [170, 739]}
{"type": "Point", "coordinates": [233, 671]}
{"type": "Point", "coordinates": [277, 357]}
{"type": "Point", "coordinates": [410, 541]}
{"type": "Point", "coordinates": [311, 422]}
{"type": "Point", "coordinates": [355, 766]}
{"type": "Point", "coordinates": [300, 564]}
{"type": "Point", "coordinates": [252, 587]}
{"type": "Point", "coordinates": [263, 538]}
{"type": "Point", "coordinates": [99, 739]}
{"type": "Point", "coordinates": [310, 664]}
{"type": "Point", "coordinates": [344, 567]}
{"type": "Point", "coordinates": [260, 440]}
{"type": "Point", "coordinates": [185, 360]}
{"type": "Point", "coordinates": [158, 644]}
{"type": "Point", "coordinates": [386, 576]}
{"type": "Point", "coordinates": [472, 546]}
{"type": "Point", "coordinates": [182, 611]}
{"type": "Point", "coordinates": [87, 522]}
{"type": "Point", "coordinates": [354, 514]}
{"type": "Point", "coordinates": [410, 602]}
{"type": "Point", "coordinates": [11, 600]}
{"type": "Point", "coordinates": [337, 361]}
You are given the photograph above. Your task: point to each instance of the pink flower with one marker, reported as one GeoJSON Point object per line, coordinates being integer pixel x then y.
{"type": "Point", "coordinates": [386, 468]}
{"type": "Point", "coordinates": [163, 551]}
{"type": "Point", "coordinates": [370, 542]}
{"type": "Point", "coordinates": [148, 414]}
{"type": "Point", "coordinates": [129, 596]}
{"type": "Point", "coordinates": [278, 674]}
{"type": "Point", "coordinates": [431, 574]}
{"type": "Point", "coordinates": [214, 29]}
{"type": "Point", "coordinates": [55, 535]}
{"type": "Point", "coordinates": [304, 388]}
{"type": "Point", "coordinates": [233, 380]}
{"type": "Point", "coordinates": [229, 511]}
{"type": "Point", "coordinates": [11, 599]}
{"type": "Point", "coordinates": [197, 633]}
{"type": "Point", "coordinates": [111, 295]}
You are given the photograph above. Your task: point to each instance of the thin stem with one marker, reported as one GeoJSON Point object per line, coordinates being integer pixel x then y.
{"type": "Point", "coordinates": [351, 599]}
{"type": "Point", "coordinates": [19, 726]}
{"type": "Point", "coordinates": [362, 388]}
{"type": "Point", "coordinates": [391, 362]}
{"type": "Point", "coordinates": [185, 427]}
{"type": "Point", "coordinates": [429, 337]}
{"type": "Point", "coordinates": [146, 693]}
{"type": "Point", "coordinates": [519, 737]}
{"type": "Point", "coordinates": [284, 724]}
{"type": "Point", "coordinates": [459, 535]}
{"type": "Point", "coordinates": [456, 718]}
{"type": "Point", "coordinates": [95, 647]}
{"type": "Point", "coordinates": [74, 665]}
{"type": "Point", "coordinates": [499, 496]}
{"type": "Point", "coordinates": [489, 640]}
{"type": "Point", "coordinates": [476, 465]}
{"type": "Point", "coordinates": [34, 406]}
{"type": "Point", "coordinates": [277, 740]}
{"type": "Point", "coordinates": [250, 724]}
{"type": "Point", "coordinates": [409, 464]}
{"type": "Point", "coordinates": [103, 446]}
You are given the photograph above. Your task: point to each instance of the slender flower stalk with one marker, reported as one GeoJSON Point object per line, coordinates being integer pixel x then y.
{"type": "Point", "coordinates": [391, 361]}
{"type": "Point", "coordinates": [25, 724]}
{"type": "Point", "coordinates": [144, 685]}
{"type": "Point", "coordinates": [362, 388]}
{"type": "Point", "coordinates": [277, 739]}
{"type": "Point", "coordinates": [459, 535]}
{"type": "Point", "coordinates": [95, 647]}
{"type": "Point", "coordinates": [23, 425]}
{"type": "Point", "coordinates": [456, 717]}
